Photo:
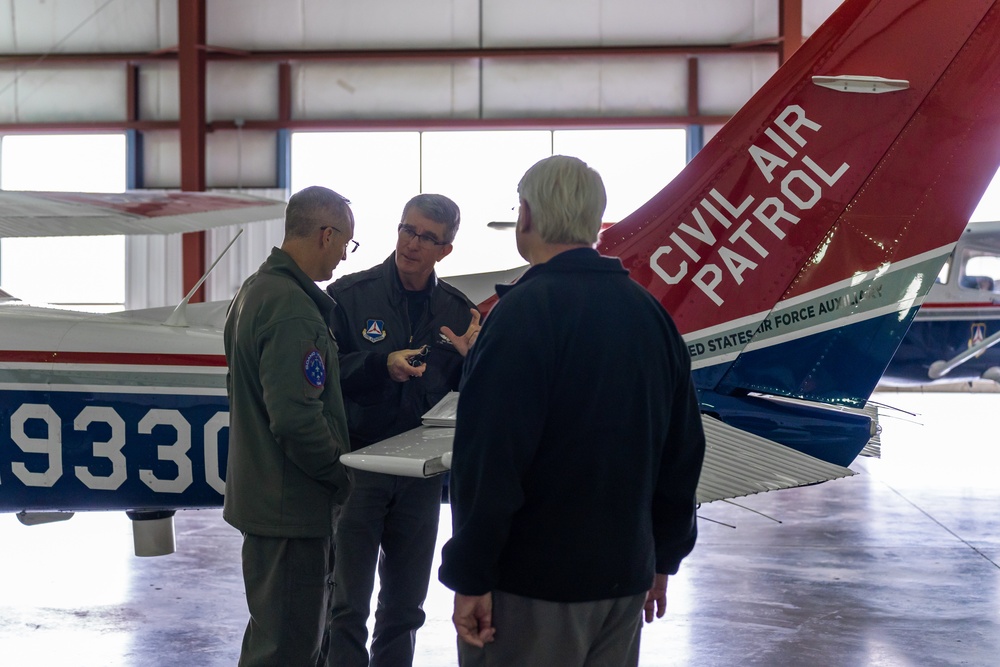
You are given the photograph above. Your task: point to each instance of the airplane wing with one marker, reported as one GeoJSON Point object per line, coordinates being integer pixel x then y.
{"type": "Point", "coordinates": [24, 214]}
{"type": "Point", "coordinates": [421, 452]}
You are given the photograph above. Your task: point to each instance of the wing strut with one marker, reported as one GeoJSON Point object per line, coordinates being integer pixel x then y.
{"type": "Point", "coordinates": [941, 368]}
{"type": "Point", "coordinates": [178, 318]}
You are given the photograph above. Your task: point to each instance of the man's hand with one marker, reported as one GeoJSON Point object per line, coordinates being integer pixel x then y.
{"type": "Point", "coordinates": [656, 598]}
{"type": "Point", "coordinates": [464, 342]}
{"type": "Point", "coordinates": [473, 618]}
{"type": "Point", "coordinates": [400, 369]}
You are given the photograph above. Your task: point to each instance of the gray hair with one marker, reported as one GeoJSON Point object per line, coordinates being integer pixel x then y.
{"type": "Point", "coordinates": [437, 208]}
{"type": "Point", "coordinates": [566, 199]}
{"type": "Point", "coordinates": [308, 209]}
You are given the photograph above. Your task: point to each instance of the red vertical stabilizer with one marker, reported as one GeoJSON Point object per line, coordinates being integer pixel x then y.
{"type": "Point", "coordinates": [829, 200]}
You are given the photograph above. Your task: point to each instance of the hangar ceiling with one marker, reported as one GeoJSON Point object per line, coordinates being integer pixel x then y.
{"type": "Point", "coordinates": [230, 76]}
{"type": "Point", "coordinates": [208, 92]}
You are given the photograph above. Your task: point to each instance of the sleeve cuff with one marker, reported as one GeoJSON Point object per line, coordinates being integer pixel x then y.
{"type": "Point", "coordinates": [376, 366]}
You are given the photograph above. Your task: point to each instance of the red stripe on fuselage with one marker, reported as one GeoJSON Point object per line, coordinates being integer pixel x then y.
{"type": "Point", "coordinates": [114, 358]}
{"type": "Point", "coordinates": [975, 304]}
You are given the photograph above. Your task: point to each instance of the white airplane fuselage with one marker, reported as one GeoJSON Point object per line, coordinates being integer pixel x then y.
{"type": "Point", "coordinates": [109, 412]}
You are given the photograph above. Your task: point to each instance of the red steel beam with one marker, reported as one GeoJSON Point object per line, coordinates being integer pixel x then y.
{"type": "Point", "coordinates": [508, 123]}
{"type": "Point", "coordinates": [191, 75]}
{"type": "Point", "coordinates": [378, 124]}
{"type": "Point", "coordinates": [284, 92]}
{"type": "Point", "coordinates": [375, 55]}
{"type": "Point", "coordinates": [790, 28]}
{"type": "Point", "coordinates": [692, 93]}
{"type": "Point", "coordinates": [132, 93]}
{"type": "Point", "coordinates": [87, 127]}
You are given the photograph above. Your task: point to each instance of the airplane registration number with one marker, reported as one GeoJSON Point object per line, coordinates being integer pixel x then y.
{"type": "Point", "coordinates": [75, 450]}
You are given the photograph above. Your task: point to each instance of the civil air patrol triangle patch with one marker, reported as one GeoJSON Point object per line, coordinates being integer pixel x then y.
{"type": "Point", "coordinates": [374, 331]}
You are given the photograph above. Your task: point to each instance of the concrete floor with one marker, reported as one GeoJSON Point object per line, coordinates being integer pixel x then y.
{"type": "Point", "coordinates": [895, 566]}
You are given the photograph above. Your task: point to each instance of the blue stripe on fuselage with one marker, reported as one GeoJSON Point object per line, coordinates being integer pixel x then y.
{"type": "Point", "coordinates": [840, 366]}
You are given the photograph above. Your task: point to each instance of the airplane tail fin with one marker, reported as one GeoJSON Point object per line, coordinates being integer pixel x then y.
{"type": "Point", "coordinates": [795, 248]}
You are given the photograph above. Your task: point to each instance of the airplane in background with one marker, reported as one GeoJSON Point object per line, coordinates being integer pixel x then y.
{"type": "Point", "coordinates": [951, 343]}
{"type": "Point", "coordinates": [793, 252]}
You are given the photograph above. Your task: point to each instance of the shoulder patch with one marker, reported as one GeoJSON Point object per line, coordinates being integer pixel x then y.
{"type": "Point", "coordinates": [374, 331]}
{"type": "Point", "coordinates": [314, 369]}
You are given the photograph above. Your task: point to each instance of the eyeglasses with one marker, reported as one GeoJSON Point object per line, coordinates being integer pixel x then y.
{"type": "Point", "coordinates": [425, 240]}
{"type": "Point", "coordinates": [353, 248]}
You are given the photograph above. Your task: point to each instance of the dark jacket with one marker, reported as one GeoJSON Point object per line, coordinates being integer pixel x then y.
{"type": "Point", "coordinates": [287, 424]}
{"type": "Point", "coordinates": [371, 320]}
{"type": "Point", "coordinates": [579, 441]}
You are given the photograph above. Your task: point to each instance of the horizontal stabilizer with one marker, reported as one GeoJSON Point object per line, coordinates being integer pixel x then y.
{"type": "Point", "coordinates": [738, 464]}
{"type": "Point", "coordinates": [422, 452]}
{"type": "Point", "coordinates": [874, 447]}
{"type": "Point", "coordinates": [444, 412]}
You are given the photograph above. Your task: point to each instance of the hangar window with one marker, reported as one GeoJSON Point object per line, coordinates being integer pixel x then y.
{"type": "Point", "coordinates": [83, 273]}
{"type": "Point", "coordinates": [380, 171]}
{"type": "Point", "coordinates": [988, 208]}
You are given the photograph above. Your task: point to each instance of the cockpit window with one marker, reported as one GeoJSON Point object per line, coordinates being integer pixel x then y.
{"type": "Point", "coordinates": [981, 272]}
